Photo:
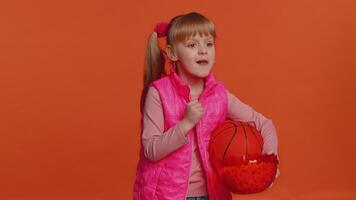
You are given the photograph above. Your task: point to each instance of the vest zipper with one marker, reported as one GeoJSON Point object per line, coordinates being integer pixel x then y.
{"type": "Point", "coordinates": [205, 166]}
{"type": "Point", "coordinates": [190, 167]}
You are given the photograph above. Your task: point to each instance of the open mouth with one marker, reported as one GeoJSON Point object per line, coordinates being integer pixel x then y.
{"type": "Point", "coordinates": [202, 62]}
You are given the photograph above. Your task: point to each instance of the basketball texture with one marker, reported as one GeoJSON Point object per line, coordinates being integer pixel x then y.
{"type": "Point", "coordinates": [236, 154]}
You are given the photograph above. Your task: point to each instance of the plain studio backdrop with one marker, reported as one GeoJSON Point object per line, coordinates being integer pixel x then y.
{"type": "Point", "coordinates": [71, 76]}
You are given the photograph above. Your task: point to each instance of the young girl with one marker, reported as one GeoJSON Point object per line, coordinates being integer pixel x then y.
{"type": "Point", "coordinates": [179, 112]}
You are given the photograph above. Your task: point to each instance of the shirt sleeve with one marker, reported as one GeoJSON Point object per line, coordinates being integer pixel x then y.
{"type": "Point", "coordinates": [158, 144]}
{"type": "Point", "coordinates": [237, 110]}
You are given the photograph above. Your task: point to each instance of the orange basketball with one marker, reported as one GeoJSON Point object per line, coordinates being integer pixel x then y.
{"type": "Point", "coordinates": [233, 141]}
{"type": "Point", "coordinates": [236, 154]}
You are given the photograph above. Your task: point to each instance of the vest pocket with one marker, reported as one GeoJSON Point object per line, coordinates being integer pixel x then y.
{"type": "Point", "coordinates": [171, 184]}
{"type": "Point", "coordinates": [150, 177]}
{"type": "Point", "coordinates": [156, 182]}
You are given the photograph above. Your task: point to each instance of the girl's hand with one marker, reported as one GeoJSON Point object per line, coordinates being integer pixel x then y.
{"type": "Point", "coordinates": [277, 174]}
{"type": "Point", "coordinates": [193, 112]}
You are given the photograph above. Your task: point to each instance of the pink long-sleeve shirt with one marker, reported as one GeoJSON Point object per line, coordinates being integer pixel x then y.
{"type": "Point", "coordinates": [157, 144]}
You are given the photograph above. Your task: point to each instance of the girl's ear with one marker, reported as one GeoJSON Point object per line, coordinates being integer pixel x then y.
{"type": "Point", "coordinates": [171, 53]}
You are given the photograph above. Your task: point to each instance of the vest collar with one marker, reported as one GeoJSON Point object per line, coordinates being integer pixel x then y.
{"type": "Point", "coordinates": [183, 88]}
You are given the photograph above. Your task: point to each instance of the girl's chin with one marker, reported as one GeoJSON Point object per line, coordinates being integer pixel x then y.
{"type": "Point", "coordinates": [200, 71]}
{"type": "Point", "coordinates": [203, 74]}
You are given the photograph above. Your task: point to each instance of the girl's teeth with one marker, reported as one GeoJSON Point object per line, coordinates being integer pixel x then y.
{"type": "Point", "coordinates": [202, 62]}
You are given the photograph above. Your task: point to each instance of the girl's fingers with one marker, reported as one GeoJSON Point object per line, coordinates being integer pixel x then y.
{"type": "Point", "coordinates": [278, 173]}
{"type": "Point", "coordinates": [193, 101]}
{"type": "Point", "coordinates": [270, 185]}
{"type": "Point", "coordinates": [197, 106]}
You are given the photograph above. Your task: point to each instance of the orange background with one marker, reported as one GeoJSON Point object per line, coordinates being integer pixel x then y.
{"type": "Point", "coordinates": [71, 77]}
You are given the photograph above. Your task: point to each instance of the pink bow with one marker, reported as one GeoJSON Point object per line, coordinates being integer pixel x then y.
{"type": "Point", "coordinates": [161, 29]}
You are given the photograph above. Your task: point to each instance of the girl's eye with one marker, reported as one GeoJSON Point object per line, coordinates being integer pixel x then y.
{"type": "Point", "coordinates": [191, 45]}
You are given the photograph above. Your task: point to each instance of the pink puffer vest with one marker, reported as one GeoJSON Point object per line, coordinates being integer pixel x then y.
{"type": "Point", "coordinates": [168, 178]}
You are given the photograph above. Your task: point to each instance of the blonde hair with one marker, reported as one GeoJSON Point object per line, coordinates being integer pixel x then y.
{"type": "Point", "coordinates": [180, 28]}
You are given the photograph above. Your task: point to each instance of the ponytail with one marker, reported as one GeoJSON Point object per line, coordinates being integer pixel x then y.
{"type": "Point", "coordinates": [153, 67]}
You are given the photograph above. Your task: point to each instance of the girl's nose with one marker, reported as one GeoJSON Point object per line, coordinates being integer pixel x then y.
{"type": "Point", "coordinates": [202, 49]}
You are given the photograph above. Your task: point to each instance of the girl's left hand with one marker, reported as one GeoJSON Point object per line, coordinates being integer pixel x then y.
{"type": "Point", "coordinates": [277, 174]}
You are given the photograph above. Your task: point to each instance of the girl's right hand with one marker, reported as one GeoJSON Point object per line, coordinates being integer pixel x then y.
{"type": "Point", "coordinates": [193, 112]}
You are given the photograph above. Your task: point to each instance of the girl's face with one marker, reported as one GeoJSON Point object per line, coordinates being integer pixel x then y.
{"type": "Point", "coordinates": [195, 56]}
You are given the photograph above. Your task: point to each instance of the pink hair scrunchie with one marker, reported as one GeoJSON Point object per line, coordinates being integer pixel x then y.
{"type": "Point", "coordinates": [161, 29]}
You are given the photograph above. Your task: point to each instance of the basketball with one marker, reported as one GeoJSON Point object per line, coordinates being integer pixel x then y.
{"type": "Point", "coordinates": [235, 151]}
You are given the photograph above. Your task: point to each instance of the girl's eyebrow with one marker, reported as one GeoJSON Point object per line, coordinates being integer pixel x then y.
{"type": "Point", "coordinates": [193, 39]}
